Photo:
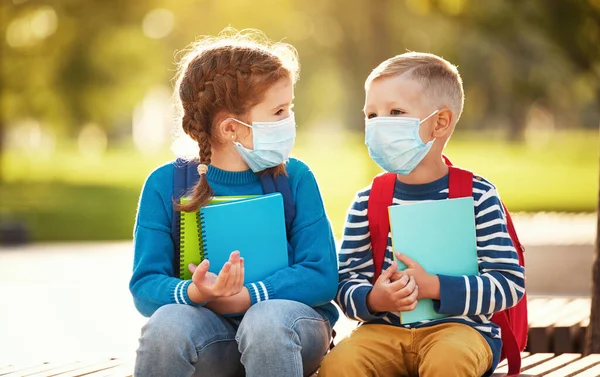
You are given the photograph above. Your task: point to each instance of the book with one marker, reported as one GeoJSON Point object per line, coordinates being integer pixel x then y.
{"type": "Point", "coordinates": [253, 225]}
{"type": "Point", "coordinates": [190, 235]}
{"type": "Point", "coordinates": [439, 235]}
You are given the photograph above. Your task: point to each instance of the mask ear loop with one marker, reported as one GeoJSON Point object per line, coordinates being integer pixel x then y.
{"type": "Point", "coordinates": [233, 136]}
{"type": "Point", "coordinates": [421, 122]}
{"type": "Point", "coordinates": [429, 116]}
{"type": "Point", "coordinates": [239, 121]}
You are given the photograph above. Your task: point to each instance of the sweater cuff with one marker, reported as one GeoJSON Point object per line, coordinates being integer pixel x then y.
{"type": "Point", "coordinates": [359, 298]}
{"type": "Point", "coordinates": [453, 294]}
{"type": "Point", "coordinates": [260, 291]}
{"type": "Point", "coordinates": [179, 293]}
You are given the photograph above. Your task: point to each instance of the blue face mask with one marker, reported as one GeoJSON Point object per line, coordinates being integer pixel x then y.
{"type": "Point", "coordinates": [394, 143]}
{"type": "Point", "coordinates": [273, 143]}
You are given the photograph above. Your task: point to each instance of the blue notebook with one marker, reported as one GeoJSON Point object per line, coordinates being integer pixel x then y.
{"type": "Point", "coordinates": [254, 226]}
{"type": "Point", "coordinates": [190, 236]}
{"type": "Point", "coordinates": [440, 236]}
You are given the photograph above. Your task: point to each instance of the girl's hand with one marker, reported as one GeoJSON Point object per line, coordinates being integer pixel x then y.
{"type": "Point", "coordinates": [207, 286]}
{"type": "Point", "coordinates": [236, 304]}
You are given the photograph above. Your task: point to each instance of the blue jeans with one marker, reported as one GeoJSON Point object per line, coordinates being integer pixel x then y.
{"type": "Point", "coordinates": [274, 338]}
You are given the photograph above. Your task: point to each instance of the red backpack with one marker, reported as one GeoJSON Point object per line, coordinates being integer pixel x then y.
{"type": "Point", "coordinates": [512, 321]}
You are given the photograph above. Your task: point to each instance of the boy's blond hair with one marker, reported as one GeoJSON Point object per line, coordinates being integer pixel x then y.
{"type": "Point", "coordinates": [439, 78]}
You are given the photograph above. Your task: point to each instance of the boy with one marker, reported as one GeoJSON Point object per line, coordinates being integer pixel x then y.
{"type": "Point", "coordinates": [413, 102]}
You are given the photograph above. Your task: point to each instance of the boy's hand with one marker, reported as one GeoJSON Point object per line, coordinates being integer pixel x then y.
{"type": "Point", "coordinates": [208, 286]}
{"type": "Point", "coordinates": [389, 295]}
{"type": "Point", "coordinates": [429, 284]}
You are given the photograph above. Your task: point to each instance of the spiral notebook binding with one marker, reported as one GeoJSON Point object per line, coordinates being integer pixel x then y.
{"type": "Point", "coordinates": [202, 237]}
{"type": "Point", "coordinates": [181, 244]}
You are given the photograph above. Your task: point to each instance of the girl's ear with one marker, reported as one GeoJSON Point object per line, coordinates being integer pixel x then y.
{"type": "Point", "coordinates": [443, 125]}
{"type": "Point", "coordinates": [226, 129]}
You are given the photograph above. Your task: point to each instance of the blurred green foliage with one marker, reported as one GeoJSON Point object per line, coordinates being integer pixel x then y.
{"type": "Point", "coordinates": [64, 199]}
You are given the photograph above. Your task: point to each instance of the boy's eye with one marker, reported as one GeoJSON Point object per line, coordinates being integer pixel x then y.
{"type": "Point", "coordinates": [279, 112]}
{"type": "Point", "coordinates": [396, 112]}
{"type": "Point", "coordinates": [371, 115]}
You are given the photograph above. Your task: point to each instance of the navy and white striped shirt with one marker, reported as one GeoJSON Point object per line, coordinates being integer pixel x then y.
{"type": "Point", "coordinates": [466, 299]}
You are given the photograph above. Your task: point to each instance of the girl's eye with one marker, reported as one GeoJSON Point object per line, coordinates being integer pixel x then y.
{"type": "Point", "coordinates": [396, 112]}
{"type": "Point", "coordinates": [279, 112]}
{"type": "Point", "coordinates": [371, 116]}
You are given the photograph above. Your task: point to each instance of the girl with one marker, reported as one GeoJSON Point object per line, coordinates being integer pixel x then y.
{"type": "Point", "coordinates": [235, 93]}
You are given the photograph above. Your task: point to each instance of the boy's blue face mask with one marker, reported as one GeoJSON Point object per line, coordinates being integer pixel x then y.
{"type": "Point", "coordinates": [394, 143]}
{"type": "Point", "coordinates": [273, 143]}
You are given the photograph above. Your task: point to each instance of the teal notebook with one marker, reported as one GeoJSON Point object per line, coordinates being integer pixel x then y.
{"type": "Point", "coordinates": [440, 236]}
{"type": "Point", "coordinates": [254, 226]}
{"type": "Point", "coordinates": [190, 235]}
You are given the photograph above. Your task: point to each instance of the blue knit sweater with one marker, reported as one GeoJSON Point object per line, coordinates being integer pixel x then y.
{"type": "Point", "coordinates": [311, 277]}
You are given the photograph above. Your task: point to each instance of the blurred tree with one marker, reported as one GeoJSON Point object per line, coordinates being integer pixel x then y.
{"type": "Point", "coordinates": [69, 63]}
{"type": "Point", "coordinates": [367, 42]}
{"type": "Point", "coordinates": [535, 51]}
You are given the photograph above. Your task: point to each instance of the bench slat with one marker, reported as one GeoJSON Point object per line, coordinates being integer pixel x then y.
{"type": "Point", "coordinates": [552, 364]}
{"type": "Point", "coordinates": [576, 312]}
{"type": "Point", "coordinates": [13, 368]}
{"type": "Point", "coordinates": [551, 312]}
{"type": "Point", "coordinates": [576, 366]}
{"type": "Point", "coordinates": [526, 363]}
{"type": "Point", "coordinates": [533, 307]}
{"type": "Point", "coordinates": [592, 372]}
{"type": "Point", "coordinates": [92, 368]}
{"type": "Point", "coordinates": [29, 370]}
{"type": "Point", "coordinates": [7, 369]}
{"type": "Point", "coordinates": [503, 362]}
{"type": "Point", "coordinates": [124, 370]}
{"type": "Point", "coordinates": [67, 368]}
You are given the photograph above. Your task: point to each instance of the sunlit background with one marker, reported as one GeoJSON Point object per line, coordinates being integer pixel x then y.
{"type": "Point", "coordinates": [86, 111]}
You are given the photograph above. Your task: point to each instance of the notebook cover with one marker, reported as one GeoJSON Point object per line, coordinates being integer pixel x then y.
{"type": "Point", "coordinates": [255, 227]}
{"type": "Point", "coordinates": [190, 236]}
{"type": "Point", "coordinates": [440, 236]}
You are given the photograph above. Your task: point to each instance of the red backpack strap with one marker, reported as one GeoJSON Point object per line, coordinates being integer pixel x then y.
{"type": "Point", "coordinates": [513, 236]}
{"type": "Point", "coordinates": [380, 198]}
{"type": "Point", "coordinates": [510, 346]}
{"type": "Point", "coordinates": [447, 160]}
{"type": "Point", "coordinates": [460, 181]}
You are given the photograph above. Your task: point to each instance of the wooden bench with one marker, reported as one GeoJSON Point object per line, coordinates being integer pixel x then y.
{"type": "Point", "coordinates": [110, 367]}
{"type": "Point", "coordinates": [539, 364]}
{"type": "Point", "coordinates": [558, 324]}
{"type": "Point", "coordinates": [556, 339]}
{"type": "Point", "coordinates": [550, 365]}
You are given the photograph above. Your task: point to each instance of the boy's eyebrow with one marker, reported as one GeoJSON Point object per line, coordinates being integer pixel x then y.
{"type": "Point", "coordinates": [388, 103]}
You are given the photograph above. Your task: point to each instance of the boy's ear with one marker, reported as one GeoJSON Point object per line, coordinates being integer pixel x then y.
{"type": "Point", "coordinates": [443, 126]}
